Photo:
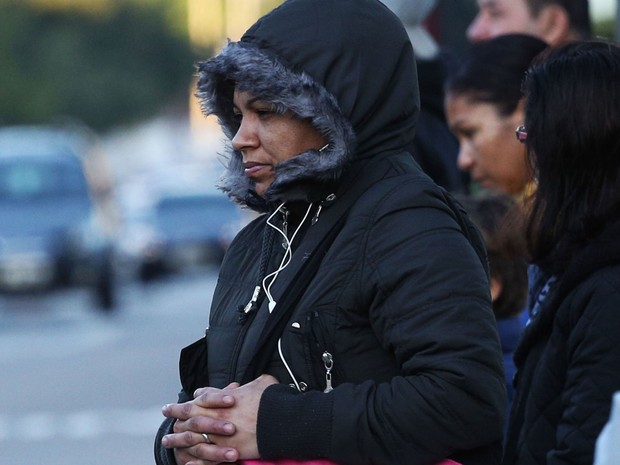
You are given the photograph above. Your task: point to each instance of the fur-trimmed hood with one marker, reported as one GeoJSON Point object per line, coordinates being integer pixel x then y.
{"type": "Point", "coordinates": [345, 65]}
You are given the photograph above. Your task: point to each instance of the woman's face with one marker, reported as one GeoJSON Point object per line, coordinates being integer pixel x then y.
{"type": "Point", "coordinates": [266, 138]}
{"type": "Point", "coordinates": [488, 148]}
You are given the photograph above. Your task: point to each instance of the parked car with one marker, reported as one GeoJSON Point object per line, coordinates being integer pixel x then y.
{"type": "Point", "coordinates": [186, 230]}
{"type": "Point", "coordinates": [53, 230]}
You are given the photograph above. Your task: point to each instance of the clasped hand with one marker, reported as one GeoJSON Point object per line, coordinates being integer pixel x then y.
{"type": "Point", "coordinates": [228, 416]}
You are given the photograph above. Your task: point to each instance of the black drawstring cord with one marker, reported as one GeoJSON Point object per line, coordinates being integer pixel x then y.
{"type": "Point", "coordinates": [259, 294]}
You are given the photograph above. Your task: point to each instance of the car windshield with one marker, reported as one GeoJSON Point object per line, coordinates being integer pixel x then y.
{"type": "Point", "coordinates": [40, 178]}
{"type": "Point", "coordinates": [199, 213]}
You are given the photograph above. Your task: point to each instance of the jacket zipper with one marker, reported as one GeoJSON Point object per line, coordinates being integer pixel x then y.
{"type": "Point", "coordinates": [246, 320]}
{"type": "Point", "coordinates": [329, 199]}
{"type": "Point", "coordinates": [328, 361]}
{"type": "Point", "coordinates": [318, 335]}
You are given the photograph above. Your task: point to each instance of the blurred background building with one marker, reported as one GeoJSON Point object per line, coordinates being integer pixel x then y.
{"type": "Point", "coordinates": [114, 63]}
{"type": "Point", "coordinates": [124, 69]}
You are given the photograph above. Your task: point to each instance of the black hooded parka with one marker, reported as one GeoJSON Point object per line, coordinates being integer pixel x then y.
{"type": "Point", "coordinates": [395, 308]}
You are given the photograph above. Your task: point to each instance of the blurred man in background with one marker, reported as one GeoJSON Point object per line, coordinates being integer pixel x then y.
{"type": "Point", "coordinates": [554, 21]}
{"type": "Point", "coordinates": [434, 147]}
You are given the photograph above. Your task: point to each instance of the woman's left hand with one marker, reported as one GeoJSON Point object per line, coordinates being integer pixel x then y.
{"type": "Point", "coordinates": [217, 412]}
{"type": "Point", "coordinates": [193, 420]}
{"type": "Point", "coordinates": [243, 414]}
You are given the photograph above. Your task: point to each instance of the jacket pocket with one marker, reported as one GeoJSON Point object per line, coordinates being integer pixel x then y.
{"type": "Point", "coordinates": [193, 366]}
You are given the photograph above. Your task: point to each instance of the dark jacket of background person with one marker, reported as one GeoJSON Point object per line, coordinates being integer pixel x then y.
{"type": "Point", "coordinates": [400, 300]}
{"type": "Point", "coordinates": [499, 218]}
{"type": "Point", "coordinates": [434, 146]}
{"type": "Point", "coordinates": [568, 361]}
{"type": "Point", "coordinates": [568, 357]}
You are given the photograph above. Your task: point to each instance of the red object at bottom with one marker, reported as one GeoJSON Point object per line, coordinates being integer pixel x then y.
{"type": "Point", "coordinates": [317, 462]}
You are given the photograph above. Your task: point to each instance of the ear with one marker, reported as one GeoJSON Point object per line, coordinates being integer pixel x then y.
{"type": "Point", "coordinates": [518, 115]}
{"type": "Point", "coordinates": [496, 288]}
{"type": "Point", "coordinates": [553, 24]}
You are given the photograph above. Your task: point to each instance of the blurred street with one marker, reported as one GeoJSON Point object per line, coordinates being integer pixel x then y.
{"type": "Point", "coordinates": [82, 386]}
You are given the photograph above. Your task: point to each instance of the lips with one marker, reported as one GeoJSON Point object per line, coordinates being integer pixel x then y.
{"type": "Point", "coordinates": [254, 168]}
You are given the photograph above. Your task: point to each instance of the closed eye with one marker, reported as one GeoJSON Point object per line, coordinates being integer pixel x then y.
{"type": "Point", "coordinates": [464, 133]}
{"type": "Point", "coordinates": [264, 109]}
{"type": "Point", "coordinates": [237, 115]}
{"type": "Point", "coordinates": [263, 113]}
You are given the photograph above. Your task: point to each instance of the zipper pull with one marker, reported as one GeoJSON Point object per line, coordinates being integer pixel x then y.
{"type": "Point", "coordinates": [285, 227]}
{"type": "Point", "coordinates": [315, 218]}
{"type": "Point", "coordinates": [330, 198]}
{"type": "Point", "coordinates": [328, 361]}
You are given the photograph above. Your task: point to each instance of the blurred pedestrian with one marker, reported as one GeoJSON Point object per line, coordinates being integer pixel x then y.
{"type": "Point", "coordinates": [554, 21]}
{"type": "Point", "coordinates": [500, 219]}
{"type": "Point", "coordinates": [351, 321]}
{"type": "Point", "coordinates": [484, 105]}
{"type": "Point", "coordinates": [434, 147]}
{"type": "Point", "coordinates": [568, 357]}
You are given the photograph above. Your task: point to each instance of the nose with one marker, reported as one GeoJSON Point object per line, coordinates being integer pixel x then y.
{"type": "Point", "coordinates": [245, 137]}
{"type": "Point", "coordinates": [465, 160]}
{"type": "Point", "coordinates": [477, 30]}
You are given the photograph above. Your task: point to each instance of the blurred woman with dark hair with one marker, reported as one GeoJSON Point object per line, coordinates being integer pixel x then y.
{"type": "Point", "coordinates": [568, 357]}
{"type": "Point", "coordinates": [484, 105]}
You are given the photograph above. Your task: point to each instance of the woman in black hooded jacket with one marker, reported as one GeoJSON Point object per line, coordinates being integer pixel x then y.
{"type": "Point", "coordinates": [352, 321]}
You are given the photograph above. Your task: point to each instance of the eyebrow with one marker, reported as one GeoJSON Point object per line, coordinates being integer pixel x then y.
{"type": "Point", "coordinates": [250, 102]}
{"type": "Point", "coordinates": [254, 101]}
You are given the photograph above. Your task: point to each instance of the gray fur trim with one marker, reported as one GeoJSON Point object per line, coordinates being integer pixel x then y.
{"type": "Point", "coordinates": [256, 72]}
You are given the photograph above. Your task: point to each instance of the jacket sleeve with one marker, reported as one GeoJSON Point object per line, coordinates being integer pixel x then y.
{"type": "Point", "coordinates": [164, 456]}
{"type": "Point", "coordinates": [427, 295]}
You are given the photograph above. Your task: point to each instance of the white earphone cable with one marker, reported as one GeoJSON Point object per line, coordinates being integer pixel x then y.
{"type": "Point", "coordinates": [287, 254]}
{"type": "Point", "coordinates": [290, 372]}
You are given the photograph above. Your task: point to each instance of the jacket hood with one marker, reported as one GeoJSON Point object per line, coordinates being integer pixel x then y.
{"type": "Point", "coordinates": [345, 65]}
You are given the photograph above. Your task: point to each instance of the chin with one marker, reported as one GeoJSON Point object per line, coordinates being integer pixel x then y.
{"type": "Point", "coordinates": [260, 189]}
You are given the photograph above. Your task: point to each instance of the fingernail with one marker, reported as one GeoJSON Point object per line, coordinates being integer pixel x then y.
{"type": "Point", "coordinates": [230, 455]}
{"type": "Point", "coordinates": [228, 399]}
{"type": "Point", "coordinates": [164, 408]}
{"type": "Point", "coordinates": [164, 441]}
{"type": "Point", "coordinates": [229, 428]}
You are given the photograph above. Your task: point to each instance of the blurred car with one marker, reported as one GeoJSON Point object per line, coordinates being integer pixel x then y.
{"type": "Point", "coordinates": [181, 231]}
{"type": "Point", "coordinates": [52, 231]}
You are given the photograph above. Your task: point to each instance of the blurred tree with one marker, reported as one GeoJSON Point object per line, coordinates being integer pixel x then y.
{"type": "Point", "coordinates": [605, 28]}
{"type": "Point", "coordinates": [107, 69]}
